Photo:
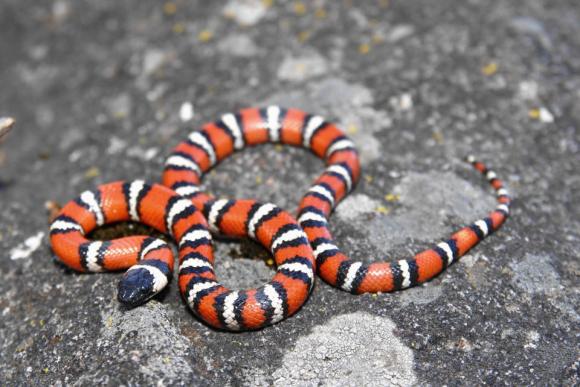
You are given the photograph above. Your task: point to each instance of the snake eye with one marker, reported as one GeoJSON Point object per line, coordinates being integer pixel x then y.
{"type": "Point", "coordinates": [136, 287]}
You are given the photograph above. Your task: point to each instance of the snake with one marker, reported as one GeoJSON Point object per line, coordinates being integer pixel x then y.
{"type": "Point", "coordinates": [181, 209]}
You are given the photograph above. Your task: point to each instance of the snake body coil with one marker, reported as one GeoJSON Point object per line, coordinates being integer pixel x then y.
{"type": "Point", "coordinates": [183, 211]}
{"type": "Point", "coordinates": [192, 158]}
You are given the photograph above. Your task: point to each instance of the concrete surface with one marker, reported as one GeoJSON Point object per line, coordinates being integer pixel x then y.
{"type": "Point", "coordinates": [101, 92]}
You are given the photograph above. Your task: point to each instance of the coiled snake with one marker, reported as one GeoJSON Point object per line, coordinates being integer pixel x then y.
{"type": "Point", "coordinates": [182, 210]}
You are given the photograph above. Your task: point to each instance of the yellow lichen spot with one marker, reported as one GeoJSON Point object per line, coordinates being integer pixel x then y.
{"type": "Point", "coordinates": [205, 36]}
{"type": "Point", "coordinates": [32, 323]}
{"type": "Point", "coordinates": [374, 295]}
{"type": "Point", "coordinates": [259, 180]}
{"type": "Point", "coordinates": [270, 262]}
{"type": "Point", "coordinates": [300, 68]}
{"type": "Point", "coordinates": [392, 197]}
{"type": "Point", "coordinates": [364, 48]}
{"type": "Point", "coordinates": [92, 172]}
{"type": "Point", "coordinates": [166, 360]}
{"type": "Point", "coordinates": [303, 36]}
{"type": "Point", "coordinates": [320, 13]}
{"type": "Point", "coordinates": [278, 148]}
{"type": "Point", "coordinates": [120, 114]}
{"type": "Point", "coordinates": [299, 8]}
{"type": "Point", "coordinates": [378, 39]}
{"type": "Point", "coordinates": [45, 370]}
{"type": "Point", "coordinates": [178, 28]}
{"type": "Point", "coordinates": [351, 129]}
{"type": "Point", "coordinates": [169, 8]}
{"type": "Point", "coordinates": [41, 323]}
{"type": "Point", "coordinates": [383, 210]}
{"type": "Point", "coordinates": [267, 3]}
{"type": "Point", "coordinates": [489, 69]}
{"type": "Point", "coordinates": [438, 137]}
{"type": "Point", "coordinates": [534, 114]}
{"type": "Point", "coordinates": [369, 178]}
{"type": "Point", "coordinates": [109, 322]}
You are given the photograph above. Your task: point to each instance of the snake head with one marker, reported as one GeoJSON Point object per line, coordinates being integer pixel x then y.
{"type": "Point", "coordinates": [6, 124]}
{"type": "Point", "coordinates": [141, 282]}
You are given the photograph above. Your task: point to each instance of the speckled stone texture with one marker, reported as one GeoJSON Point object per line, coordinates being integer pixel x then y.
{"type": "Point", "coordinates": [98, 90]}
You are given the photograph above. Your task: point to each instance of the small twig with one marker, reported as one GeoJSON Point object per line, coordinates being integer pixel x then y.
{"type": "Point", "coordinates": [6, 124]}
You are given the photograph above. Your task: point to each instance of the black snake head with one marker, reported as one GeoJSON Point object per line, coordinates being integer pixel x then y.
{"type": "Point", "coordinates": [136, 287]}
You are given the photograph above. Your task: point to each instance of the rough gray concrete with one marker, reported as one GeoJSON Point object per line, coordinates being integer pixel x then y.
{"type": "Point", "coordinates": [98, 90]}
